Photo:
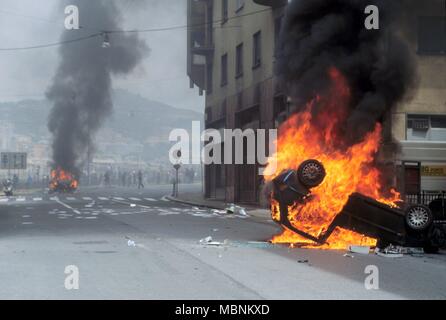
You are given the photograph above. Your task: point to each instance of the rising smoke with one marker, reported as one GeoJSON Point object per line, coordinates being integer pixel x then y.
{"type": "Point", "coordinates": [378, 64]}
{"type": "Point", "coordinates": [81, 88]}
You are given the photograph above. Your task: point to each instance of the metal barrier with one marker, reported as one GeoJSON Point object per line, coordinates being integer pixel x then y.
{"type": "Point", "coordinates": [427, 197]}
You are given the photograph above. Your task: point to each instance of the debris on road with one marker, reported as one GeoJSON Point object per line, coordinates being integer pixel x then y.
{"type": "Point", "coordinates": [131, 243]}
{"type": "Point", "coordinates": [390, 251]}
{"type": "Point", "coordinates": [347, 255]}
{"type": "Point", "coordinates": [206, 240]}
{"type": "Point", "coordinates": [303, 261]}
{"type": "Point", "coordinates": [132, 205]}
{"type": "Point", "coordinates": [359, 249]}
{"type": "Point", "coordinates": [234, 209]}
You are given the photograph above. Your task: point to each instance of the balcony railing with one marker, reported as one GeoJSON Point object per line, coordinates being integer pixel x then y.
{"type": "Point", "coordinates": [272, 3]}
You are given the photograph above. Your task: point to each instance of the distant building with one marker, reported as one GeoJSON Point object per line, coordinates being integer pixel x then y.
{"type": "Point", "coordinates": [231, 47]}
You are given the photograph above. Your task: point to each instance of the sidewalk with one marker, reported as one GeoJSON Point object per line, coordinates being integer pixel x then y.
{"type": "Point", "coordinates": [198, 200]}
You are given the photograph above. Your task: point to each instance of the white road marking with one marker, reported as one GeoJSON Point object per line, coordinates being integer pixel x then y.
{"type": "Point", "coordinates": [70, 198]}
{"type": "Point", "coordinates": [21, 199]}
{"type": "Point", "coordinates": [103, 198]}
{"type": "Point", "coordinates": [87, 198]}
{"type": "Point", "coordinates": [4, 200]}
{"type": "Point", "coordinates": [37, 199]}
{"type": "Point", "coordinates": [68, 207]}
{"type": "Point", "coordinates": [135, 199]}
{"type": "Point", "coordinates": [27, 223]}
{"type": "Point", "coordinates": [164, 199]}
{"type": "Point", "coordinates": [150, 199]}
{"type": "Point", "coordinates": [118, 198]}
{"type": "Point", "coordinates": [54, 198]}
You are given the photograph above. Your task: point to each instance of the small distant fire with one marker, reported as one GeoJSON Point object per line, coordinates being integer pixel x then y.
{"type": "Point", "coordinates": [62, 181]}
{"type": "Point", "coordinates": [348, 169]}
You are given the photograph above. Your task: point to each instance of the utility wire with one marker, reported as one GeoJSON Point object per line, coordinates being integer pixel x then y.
{"type": "Point", "coordinates": [101, 33]}
{"type": "Point", "coordinates": [53, 44]}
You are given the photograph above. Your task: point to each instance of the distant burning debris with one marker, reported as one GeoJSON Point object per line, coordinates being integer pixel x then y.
{"type": "Point", "coordinates": [62, 181]}
{"type": "Point", "coordinates": [81, 88]}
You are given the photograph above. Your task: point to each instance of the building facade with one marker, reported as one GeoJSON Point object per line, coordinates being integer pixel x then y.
{"type": "Point", "coordinates": [419, 125]}
{"type": "Point", "coordinates": [231, 57]}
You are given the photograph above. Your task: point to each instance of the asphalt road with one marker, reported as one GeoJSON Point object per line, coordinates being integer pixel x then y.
{"type": "Point", "coordinates": [40, 235]}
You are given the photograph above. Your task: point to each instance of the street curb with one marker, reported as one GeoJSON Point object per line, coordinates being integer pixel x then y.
{"type": "Point", "coordinates": [201, 205]}
{"type": "Point", "coordinates": [191, 203]}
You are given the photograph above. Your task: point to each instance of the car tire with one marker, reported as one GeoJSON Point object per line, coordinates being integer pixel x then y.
{"type": "Point", "coordinates": [419, 218]}
{"type": "Point", "coordinates": [311, 173]}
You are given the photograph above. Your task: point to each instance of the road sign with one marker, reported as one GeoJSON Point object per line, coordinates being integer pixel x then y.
{"type": "Point", "coordinates": [13, 160]}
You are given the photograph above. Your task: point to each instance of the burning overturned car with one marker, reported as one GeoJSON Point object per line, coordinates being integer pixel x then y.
{"type": "Point", "coordinates": [62, 181]}
{"type": "Point", "coordinates": [410, 225]}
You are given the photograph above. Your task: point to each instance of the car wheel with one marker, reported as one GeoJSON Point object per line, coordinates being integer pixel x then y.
{"type": "Point", "coordinates": [419, 217]}
{"type": "Point", "coordinates": [311, 173]}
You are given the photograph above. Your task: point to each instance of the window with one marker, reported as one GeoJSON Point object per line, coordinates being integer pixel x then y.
{"type": "Point", "coordinates": [240, 101]}
{"type": "Point", "coordinates": [209, 82]}
{"type": "Point", "coordinates": [257, 50]}
{"type": "Point", "coordinates": [438, 122]}
{"type": "Point", "coordinates": [239, 5]}
{"type": "Point", "coordinates": [223, 109]}
{"type": "Point", "coordinates": [426, 127]}
{"type": "Point", "coordinates": [431, 35]}
{"type": "Point", "coordinates": [208, 114]}
{"type": "Point", "coordinates": [239, 61]}
{"type": "Point", "coordinates": [224, 70]}
{"type": "Point", "coordinates": [224, 11]}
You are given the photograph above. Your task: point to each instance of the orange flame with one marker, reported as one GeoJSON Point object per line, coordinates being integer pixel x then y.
{"type": "Point", "coordinates": [349, 169]}
{"type": "Point", "coordinates": [59, 175]}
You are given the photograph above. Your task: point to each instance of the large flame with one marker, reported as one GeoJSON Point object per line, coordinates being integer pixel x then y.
{"type": "Point", "coordinates": [62, 180]}
{"type": "Point", "coordinates": [349, 169]}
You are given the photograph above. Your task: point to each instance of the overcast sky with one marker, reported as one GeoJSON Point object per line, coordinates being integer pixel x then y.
{"type": "Point", "coordinates": [162, 76]}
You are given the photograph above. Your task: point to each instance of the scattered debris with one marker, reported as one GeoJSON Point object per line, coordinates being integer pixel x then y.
{"type": "Point", "coordinates": [209, 242]}
{"type": "Point", "coordinates": [359, 249]}
{"type": "Point", "coordinates": [234, 209]}
{"type": "Point", "coordinates": [132, 205]}
{"type": "Point", "coordinates": [131, 243]}
{"type": "Point", "coordinates": [390, 251]}
{"type": "Point", "coordinates": [303, 261]}
{"type": "Point", "coordinates": [206, 240]}
{"type": "Point", "coordinates": [347, 255]}
{"type": "Point", "coordinates": [215, 211]}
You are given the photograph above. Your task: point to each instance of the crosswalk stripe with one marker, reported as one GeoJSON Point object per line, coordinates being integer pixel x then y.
{"type": "Point", "coordinates": [118, 198]}
{"type": "Point", "coordinates": [4, 200]}
{"type": "Point", "coordinates": [135, 199]}
{"type": "Point", "coordinates": [54, 198]}
{"type": "Point", "coordinates": [102, 198]}
{"type": "Point", "coordinates": [150, 199]}
{"type": "Point", "coordinates": [164, 199]}
{"type": "Point", "coordinates": [20, 199]}
{"type": "Point", "coordinates": [70, 198]}
{"type": "Point", "coordinates": [87, 198]}
{"type": "Point", "coordinates": [37, 199]}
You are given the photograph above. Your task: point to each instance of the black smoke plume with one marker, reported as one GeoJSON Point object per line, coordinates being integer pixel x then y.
{"type": "Point", "coordinates": [81, 88]}
{"type": "Point", "coordinates": [378, 64]}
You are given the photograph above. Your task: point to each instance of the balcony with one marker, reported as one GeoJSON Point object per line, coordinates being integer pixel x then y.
{"type": "Point", "coordinates": [272, 3]}
{"type": "Point", "coordinates": [199, 41]}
